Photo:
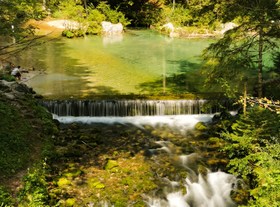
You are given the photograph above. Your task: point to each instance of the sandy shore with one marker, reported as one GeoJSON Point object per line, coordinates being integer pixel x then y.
{"type": "Point", "coordinates": [52, 26]}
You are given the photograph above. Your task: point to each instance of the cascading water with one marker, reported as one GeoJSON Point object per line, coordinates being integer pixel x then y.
{"type": "Point", "coordinates": [127, 107]}
{"type": "Point", "coordinates": [212, 189]}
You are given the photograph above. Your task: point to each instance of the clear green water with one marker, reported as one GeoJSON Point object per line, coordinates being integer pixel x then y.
{"type": "Point", "coordinates": [140, 62]}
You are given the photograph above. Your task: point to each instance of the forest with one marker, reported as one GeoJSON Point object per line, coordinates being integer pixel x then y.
{"type": "Point", "coordinates": [236, 61]}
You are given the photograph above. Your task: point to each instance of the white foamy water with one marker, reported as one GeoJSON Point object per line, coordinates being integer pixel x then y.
{"type": "Point", "coordinates": [181, 122]}
{"type": "Point", "coordinates": [212, 191]}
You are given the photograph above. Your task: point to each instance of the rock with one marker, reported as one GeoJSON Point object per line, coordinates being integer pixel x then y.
{"type": "Point", "coordinates": [200, 126]}
{"type": "Point", "coordinates": [64, 24]}
{"type": "Point", "coordinates": [14, 89]}
{"type": "Point", "coordinates": [5, 85]}
{"type": "Point", "coordinates": [111, 164]}
{"type": "Point", "coordinates": [10, 96]}
{"type": "Point", "coordinates": [70, 202]}
{"type": "Point", "coordinates": [227, 26]}
{"type": "Point", "coordinates": [169, 27]}
{"type": "Point", "coordinates": [22, 88]}
{"type": "Point", "coordinates": [224, 115]}
{"type": "Point", "coordinates": [111, 29]}
{"type": "Point", "coordinates": [38, 96]}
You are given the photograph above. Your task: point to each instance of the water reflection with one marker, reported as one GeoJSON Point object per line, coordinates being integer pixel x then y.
{"type": "Point", "coordinates": [112, 39]}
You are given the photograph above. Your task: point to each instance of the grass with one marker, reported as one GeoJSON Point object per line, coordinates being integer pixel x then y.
{"type": "Point", "coordinates": [15, 146]}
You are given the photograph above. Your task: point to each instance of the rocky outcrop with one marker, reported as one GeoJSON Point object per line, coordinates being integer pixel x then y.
{"type": "Point", "coordinates": [13, 90]}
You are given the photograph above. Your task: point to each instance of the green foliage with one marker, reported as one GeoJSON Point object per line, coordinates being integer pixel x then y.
{"type": "Point", "coordinates": [267, 169]}
{"type": "Point", "coordinates": [89, 19]}
{"type": "Point", "coordinates": [228, 63]}
{"type": "Point", "coordinates": [180, 16]}
{"type": "Point", "coordinates": [5, 198]}
{"type": "Point", "coordinates": [253, 149]}
{"type": "Point", "coordinates": [141, 13]}
{"type": "Point", "coordinates": [15, 13]}
{"type": "Point", "coordinates": [68, 34]}
{"type": "Point", "coordinates": [111, 15]}
{"type": "Point", "coordinates": [276, 62]}
{"type": "Point", "coordinates": [34, 192]}
{"type": "Point", "coordinates": [243, 47]}
{"type": "Point", "coordinates": [7, 77]}
{"type": "Point", "coordinates": [94, 18]}
{"type": "Point", "coordinates": [71, 10]}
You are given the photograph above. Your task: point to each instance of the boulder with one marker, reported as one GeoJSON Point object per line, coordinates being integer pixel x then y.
{"type": "Point", "coordinates": [169, 27]}
{"type": "Point", "coordinates": [111, 29]}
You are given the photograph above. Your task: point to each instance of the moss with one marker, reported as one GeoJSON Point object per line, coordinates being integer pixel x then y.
{"type": "Point", "coordinates": [62, 182]}
{"type": "Point", "coordinates": [95, 183]}
{"type": "Point", "coordinates": [73, 173]}
{"type": "Point", "coordinates": [200, 126]}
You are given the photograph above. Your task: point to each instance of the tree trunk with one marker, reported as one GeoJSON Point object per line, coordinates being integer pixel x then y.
{"type": "Point", "coordinates": [44, 5]}
{"type": "Point", "coordinates": [245, 98]}
{"type": "Point", "coordinates": [260, 64]}
{"type": "Point", "coordinates": [85, 6]}
{"type": "Point", "coordinates": [173, 7]}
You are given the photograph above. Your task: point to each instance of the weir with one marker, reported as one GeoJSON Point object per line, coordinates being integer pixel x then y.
{"type": "Point", "coordinates": [125, 108]}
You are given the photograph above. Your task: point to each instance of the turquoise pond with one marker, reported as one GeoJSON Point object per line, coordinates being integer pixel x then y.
{"type": "Point", "coordinates": [138, 62]}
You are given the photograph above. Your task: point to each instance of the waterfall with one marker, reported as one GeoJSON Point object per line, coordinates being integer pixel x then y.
{"type": "Point", "coordinates": [127, 107]}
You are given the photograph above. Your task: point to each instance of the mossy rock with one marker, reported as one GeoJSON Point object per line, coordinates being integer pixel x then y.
{"type": "Point", "coordinates": [70, 202]}
{"type": "Point", "coordinates": [111, 164]}
{"type": "Point", "coordinates": [200, 126]}
{"type": "Point", "coordinates": [73, 174]}
{"type": "Point", "coordinates": [95, 184]}
{"type": "Point", "coordinates": [63, 182]}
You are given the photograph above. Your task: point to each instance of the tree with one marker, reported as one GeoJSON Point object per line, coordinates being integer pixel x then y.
{"type": "Point", "coordinates": [252, 145]}
{"type": "Point", "coordinates": [140, 12]}
{"type": "Point", "coordinates": [13, 30]}
{"type": "Point", "coordinates": [242, 49]}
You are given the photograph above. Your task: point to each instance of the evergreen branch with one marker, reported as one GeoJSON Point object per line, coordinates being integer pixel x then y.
{"type": "Point", "coordinates": [265, 103]}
